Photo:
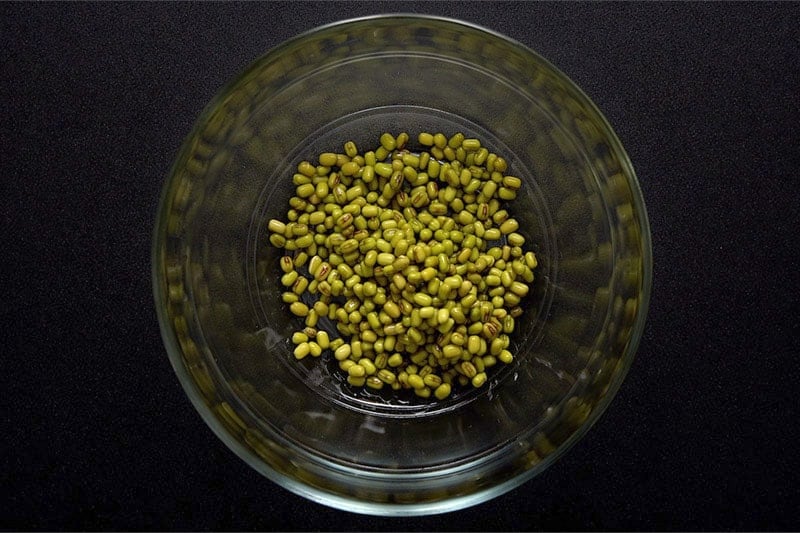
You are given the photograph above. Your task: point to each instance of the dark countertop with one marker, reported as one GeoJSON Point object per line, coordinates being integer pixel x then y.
{"type": "Point", "coordinates": [97, 432]}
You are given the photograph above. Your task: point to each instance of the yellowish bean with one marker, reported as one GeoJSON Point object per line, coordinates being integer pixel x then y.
{"type": "Point", "coordinates": [479, 379]}
{"type": "Point", "coordinates": [442, 391]}
{"type": "Point", "coordinates": [301, 350]}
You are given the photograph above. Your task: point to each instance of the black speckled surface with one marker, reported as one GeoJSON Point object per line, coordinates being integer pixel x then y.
{"type": "Point", "coordinates": [96, 431]}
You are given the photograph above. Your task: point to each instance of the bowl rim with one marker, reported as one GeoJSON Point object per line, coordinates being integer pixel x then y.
{"type": "Point", "coordinates": [353, 504]}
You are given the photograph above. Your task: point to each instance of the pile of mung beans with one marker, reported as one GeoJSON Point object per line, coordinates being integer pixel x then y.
{"type": "Point", "coordinates": [413, 257]}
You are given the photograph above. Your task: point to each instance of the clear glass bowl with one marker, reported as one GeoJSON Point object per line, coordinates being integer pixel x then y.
{"type": "Point", "coordinates": [218, 296]}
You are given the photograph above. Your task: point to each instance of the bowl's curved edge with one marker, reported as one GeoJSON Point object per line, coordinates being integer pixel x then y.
{"type": "Point", "coordinates": [351, 504]}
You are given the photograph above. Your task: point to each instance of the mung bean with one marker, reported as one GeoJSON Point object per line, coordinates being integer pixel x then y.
{"type": "Point", "coordinates": [392, 246]}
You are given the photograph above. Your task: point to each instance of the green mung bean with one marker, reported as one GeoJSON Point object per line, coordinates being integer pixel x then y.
{"type": "Point", "coordinates": [395, 246]}
{"type": "Point", "coordinates": [314, 349]}
{"type": "Point", "coordinates": [300, 285]}
{"type": "Point", "coordinates": [374, 382]}
{"type": "Point", "coordinates": [442, 391]}
{"type": "Point", "coordinates": [479, 379]}
{"type": "Point", "coordinates": [416, 381]}
{"type": "Point", "coordinates": [302, 350]}
{"type": "Point", "coordinates": [388, 142]}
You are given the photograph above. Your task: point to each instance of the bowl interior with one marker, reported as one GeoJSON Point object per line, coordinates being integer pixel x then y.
{"type": "Point", "coordinates": [216, 278]}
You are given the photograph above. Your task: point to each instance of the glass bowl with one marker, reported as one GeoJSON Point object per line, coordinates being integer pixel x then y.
{"type": "Point", "coordinates": [217, 288]}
